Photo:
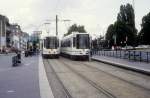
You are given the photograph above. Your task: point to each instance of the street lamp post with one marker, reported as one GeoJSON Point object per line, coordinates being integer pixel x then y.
{"type": "Point", "coordinates": [115, 40]}
{"type": "Point", "coordinates": [133, 3]}
{"type": "Point", "coordinates": [1, 35]}
{"type": "Point", "coordinates": [57, 20]}
{"type": "Point", "coordinates": [108, 43]}
{"type": "Point", "coordinates": [126, 42]}
{"type": "Point", "coordinates": [47, 23]}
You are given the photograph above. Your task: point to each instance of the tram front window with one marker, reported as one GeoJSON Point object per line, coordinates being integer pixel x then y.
{"type": "Point", "coordinates": [51, 43]}
{"type": "Point", "coordinates": [83, 41]}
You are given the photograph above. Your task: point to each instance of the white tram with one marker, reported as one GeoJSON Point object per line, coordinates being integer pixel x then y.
{"type": "Point", "coordinates": [76, 45]}
{"type": "Point", "coordinates": [50, 47]}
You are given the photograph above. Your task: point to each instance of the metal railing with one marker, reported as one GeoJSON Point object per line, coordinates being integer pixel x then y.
{"type": "Point", "coordinates": [141, 56]}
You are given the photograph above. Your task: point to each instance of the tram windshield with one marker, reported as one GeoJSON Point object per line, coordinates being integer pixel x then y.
{"type": "Point", "coordinates": [51, 43]}
{"type": "Point", "coordinates": [83, 41]}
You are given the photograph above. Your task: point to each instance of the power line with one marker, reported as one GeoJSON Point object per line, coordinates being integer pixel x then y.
{"type": "Point", "coordinates": [57, 21]}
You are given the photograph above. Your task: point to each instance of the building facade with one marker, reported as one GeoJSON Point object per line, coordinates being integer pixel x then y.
{"type": "Point", "coordinates": [4, 33]}
{"type": "Point", "coordinates": [15, 36]}
{"type": "Point", "coordinates": [24, 38]}
{"type": "Point", "coordinates": [11, 36]}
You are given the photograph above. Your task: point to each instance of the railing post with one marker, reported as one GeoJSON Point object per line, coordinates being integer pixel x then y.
{"type": "Point", "coordinates": [124, 54]}
{"type": "Point", "coordinates": [120, 53]}
{"type": "Point", "coordinates": [140, 56]}
{"type": "Point", "coordinates": [110, 53]}
{"type": "Point", "coordinates": [116, 53]}
{"type": "Point", "coordinates": [147, 56]}
{"type": "Point", "coordinates": [113, 53]}
{"type": "Point", "coordinates": [134, 55]}
{"type": "Point", "coordinates": [129, 55]}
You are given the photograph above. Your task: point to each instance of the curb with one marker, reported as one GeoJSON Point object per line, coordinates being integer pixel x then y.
{"type": "Point", "coordinates": [45, 89]}
{"type": "Point", "coordinates": [123, 66]}
{"type": "Point", "coordinates": [2, 54]}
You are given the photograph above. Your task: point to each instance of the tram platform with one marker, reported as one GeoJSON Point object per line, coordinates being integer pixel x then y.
{"type": "Point", "coordinates": [45, 89]}
{"type": "Point", "coordinates": [140, 67]}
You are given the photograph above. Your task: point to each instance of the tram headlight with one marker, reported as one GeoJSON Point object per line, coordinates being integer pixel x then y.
{"type": "Point", "coordinates": [87, 52]}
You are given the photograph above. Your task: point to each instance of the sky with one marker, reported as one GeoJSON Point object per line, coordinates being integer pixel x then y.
{"type": "Point", "coordinates": [95, 15]}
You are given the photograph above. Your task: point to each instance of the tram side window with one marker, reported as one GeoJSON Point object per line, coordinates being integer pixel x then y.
{"type": "Point", "coordinates": [83, 41]}
{"type": "Point", "coordinates": [62, 44]}
{"type": "Point", "coordinates": [44, 42]}
{"type": "Point", "coordinates": [57, 42]}
{"type": "Point", "coordinates": [74, 42]}
{"type": "Point", "coordinates": [66, 43]}
{"type": "Point", "coordinates": [77, 41]}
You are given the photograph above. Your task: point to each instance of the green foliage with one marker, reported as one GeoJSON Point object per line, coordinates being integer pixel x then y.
{"type": "Point", "coordinates": [75, 28]}
{"type": "Point", "coordinates": [98, 43]}
{"type": "Point", "coordinates": [123, 27]}
{"type": "Point", "coordinates": [145, 30]}
{"type": "Point", "coordinates": [126, 19]}
{"type": "Point", "coordinates": [109, 34]}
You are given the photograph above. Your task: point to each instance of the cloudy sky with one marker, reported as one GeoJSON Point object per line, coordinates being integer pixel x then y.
{"type": "Point", "coordinates": [95, 15]}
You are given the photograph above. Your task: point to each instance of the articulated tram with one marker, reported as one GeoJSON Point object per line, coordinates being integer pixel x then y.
{"type": "Point", "coordinates": [50, 47]}
{"type": "Point", "coordinates": [76, 45]}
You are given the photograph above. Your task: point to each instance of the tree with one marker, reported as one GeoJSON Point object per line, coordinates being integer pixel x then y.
{"type": "Point", "coordinates": [98, 43]}
{"type": "Point", "coordinates": [123, 28]}
{"type": "Point", "coordinates": [109, 35]}
{"type": "Point", "coordinates": [126, 18]}
{"type": "Point", "coordinates": [145, 30]}
{"type": "Point", "coordinates": [120, 33]}
{"type": "Point", "coordinates": [75, 28]}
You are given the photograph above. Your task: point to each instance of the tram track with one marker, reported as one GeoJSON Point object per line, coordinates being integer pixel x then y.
{"type": "Point", "coordinates": [64, 92]}
{"type": "Point", "coordinates": [129, 82]}
{"type": "Point", "coordinates": [99, 88]}
{"type": "Point", "coordinates": [101, 82]}
{"type": "Point", "coordinates": [89, 72]}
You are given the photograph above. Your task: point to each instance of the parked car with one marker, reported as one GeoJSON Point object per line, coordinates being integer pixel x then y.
{"type": "Point", "coordinates": [143, 46]}
{"type": "Point", "coordinates": [128, 48]}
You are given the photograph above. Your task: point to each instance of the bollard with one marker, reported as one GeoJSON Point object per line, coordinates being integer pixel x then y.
{"type": "Point", "coordinates": [19, 57]}
{"type": "Point", "coordinates": [14, 61]}
{"type": "Point", "coordinates": [26, 53]}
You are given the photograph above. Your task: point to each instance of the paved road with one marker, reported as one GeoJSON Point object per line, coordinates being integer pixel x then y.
{"type": "Point", "coordinates": [83, 79]}
{"type": "Point", "coordinates": [21, 81]}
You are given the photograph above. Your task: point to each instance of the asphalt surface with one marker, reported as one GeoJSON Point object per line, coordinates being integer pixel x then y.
{"type": "Point", "coordinates": [21, 81]}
